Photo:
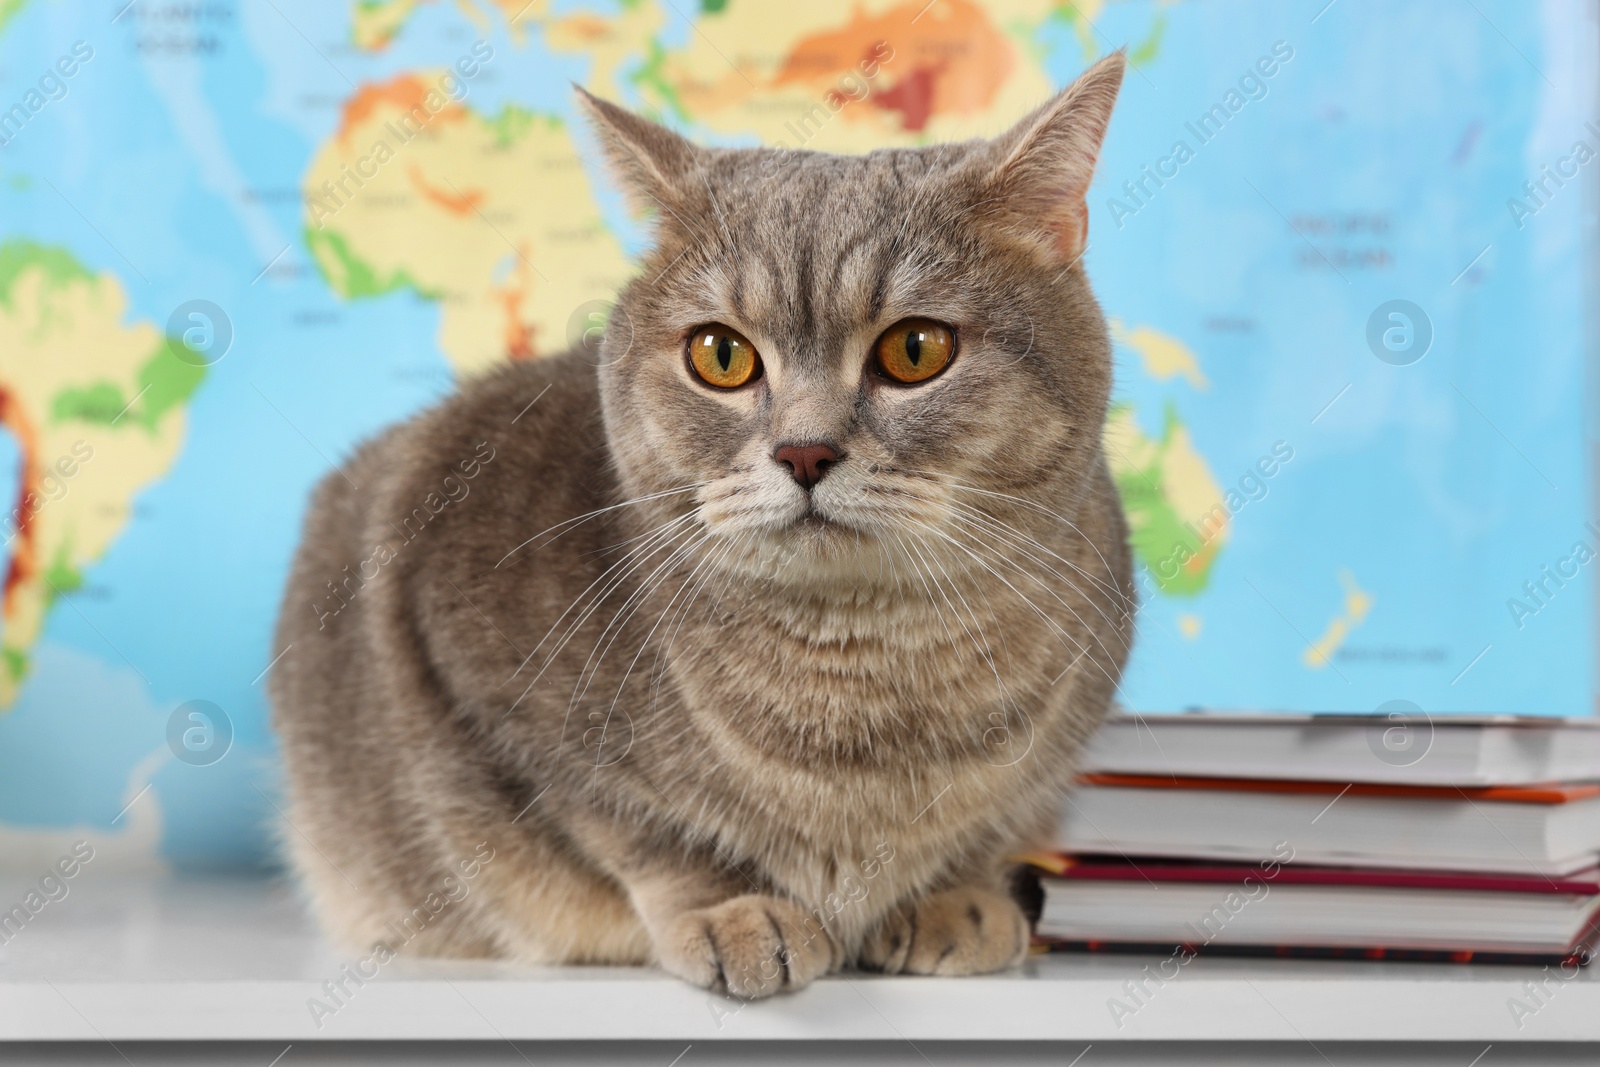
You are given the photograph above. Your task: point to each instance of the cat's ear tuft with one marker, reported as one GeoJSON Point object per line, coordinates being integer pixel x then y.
{"type": "Point", "coordinates": [1041, 167]}
{"type": "Point", "coordinates": [650, 161]}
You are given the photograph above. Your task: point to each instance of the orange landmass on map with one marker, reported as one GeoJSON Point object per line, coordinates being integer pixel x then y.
{"type": "Point", "coordinates": [587, 27]}
{"type": "Point", "coordinates": [404, 94]}
{"type": "Point", "coordinates": [24, 553]}
{"type": "Point", "coordinates": [950, 60]}
{"type": "Point", "coordinates": [451, 200]}
{"type": "Point", "coordinates": [912, 96]}
{"type": "Point", "coordinates": [518, 331]}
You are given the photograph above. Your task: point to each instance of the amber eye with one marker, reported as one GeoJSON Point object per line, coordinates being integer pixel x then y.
{"type": "Point", "coordinates": [723, 357]}
{"type": "Point", "coordinates": [914, 350]}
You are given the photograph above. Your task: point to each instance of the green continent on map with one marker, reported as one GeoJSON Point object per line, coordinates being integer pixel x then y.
{"type": "Point", "coordinates": [164, 382]}
{"type": "Point", "coordinates": [1176, 515]}
{"type": "Point", "coordinates": [95, 406]}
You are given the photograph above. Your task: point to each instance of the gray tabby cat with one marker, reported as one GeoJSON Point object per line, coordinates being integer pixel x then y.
{"type": "Point", "coordinates": [757, 652]}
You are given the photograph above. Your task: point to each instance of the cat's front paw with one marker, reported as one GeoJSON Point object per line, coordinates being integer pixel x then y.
{"type": "Point", "coordinates": [751, 946]}
{"type": "Point", "coordinates": [954, 931]}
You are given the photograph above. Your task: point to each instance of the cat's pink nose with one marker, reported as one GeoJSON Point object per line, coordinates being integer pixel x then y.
{"type": "Point", "coordinates": [808, 463]}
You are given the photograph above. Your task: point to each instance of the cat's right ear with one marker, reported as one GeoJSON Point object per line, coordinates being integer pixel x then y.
{"type": "Point", "coordinates": [1039, 170]}
{"type": "Point", "coordinates": [651, 162]}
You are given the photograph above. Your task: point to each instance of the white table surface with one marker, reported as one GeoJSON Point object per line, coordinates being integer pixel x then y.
{"type": "Point", "coordinates": [150, 959]}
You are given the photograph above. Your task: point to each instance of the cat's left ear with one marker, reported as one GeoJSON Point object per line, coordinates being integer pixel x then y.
{"type": "Point", "coordinates": [1039, 170]}
{"type": "Point", "coordinates": [651, 162]}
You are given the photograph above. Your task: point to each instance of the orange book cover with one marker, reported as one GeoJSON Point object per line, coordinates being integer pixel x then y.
{"type": "Point", "coordinates": [1513, 794]}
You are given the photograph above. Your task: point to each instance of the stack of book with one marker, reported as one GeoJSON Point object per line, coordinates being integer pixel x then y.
{"type": "Point", "coordinates": [1332, 835]}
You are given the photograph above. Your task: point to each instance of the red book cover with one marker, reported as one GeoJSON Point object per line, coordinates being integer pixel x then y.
{"type": "Point", "coordinates": [1103, 868]}
{"type": "Point", "coordinates": [1578, 956]}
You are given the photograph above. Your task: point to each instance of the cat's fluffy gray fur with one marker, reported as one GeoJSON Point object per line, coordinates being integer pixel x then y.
{"type": "Point", "coordinates": [575, 677]}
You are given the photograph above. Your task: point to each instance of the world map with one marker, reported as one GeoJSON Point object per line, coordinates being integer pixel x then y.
{"type": "Point", "coordinates": [1342, 249]}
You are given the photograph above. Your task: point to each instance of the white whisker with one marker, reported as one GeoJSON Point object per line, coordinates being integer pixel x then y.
{"type": "Point", "coordinates": [1032, 505]}
{"type": "Point", "coordinates": [661, 537]}
{"type": "Point", "coordinates": [578, 520]}
{"type": "Point", "coordinates": [1056, 627]}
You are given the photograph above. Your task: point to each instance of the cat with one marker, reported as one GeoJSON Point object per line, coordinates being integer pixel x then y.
{"type": "Point", "coordinates": [754, 644]}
